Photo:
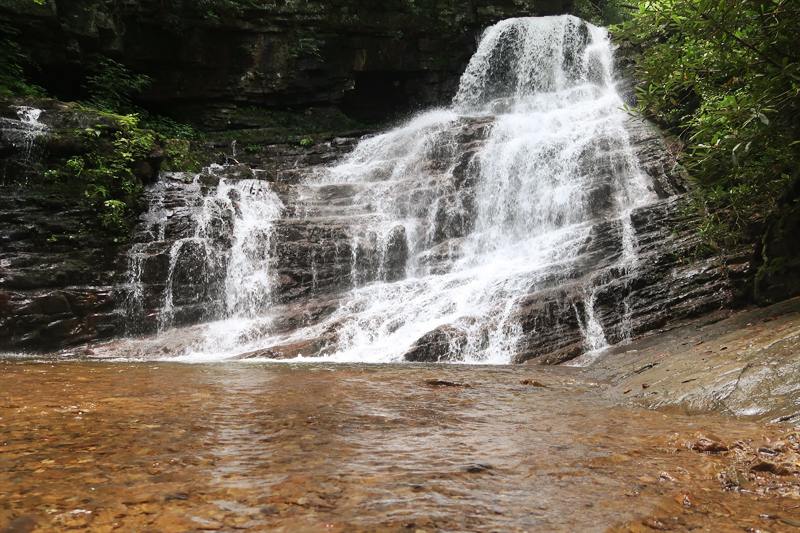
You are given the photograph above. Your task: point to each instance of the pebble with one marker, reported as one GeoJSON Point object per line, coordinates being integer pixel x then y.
{"type": "Point", "coordinates": [205, 525]}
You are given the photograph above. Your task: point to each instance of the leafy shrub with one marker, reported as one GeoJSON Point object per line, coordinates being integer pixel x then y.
{"type": "Point", "coordinates": [12, 76]}
{"type": "Point", "coordinates": [724, 77]}
{"type": "Point", "coordinates": [112, 86]}
{"type": "Point", "coordinates": [603, 12]}
{"type": "Point", "coordinates": [111, 89]}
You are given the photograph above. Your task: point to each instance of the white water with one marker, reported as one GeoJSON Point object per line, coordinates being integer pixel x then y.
{"type": "Point", "coordinates": [25, 136]}
{"type": "Point", "coordinates": [250, 208]}
{"type": "Point", "coordinates": [543, 91]}
{"type": "Point", "coordinates": [548, 82]}
{"type": "Point", "coordinates": [30, 134]}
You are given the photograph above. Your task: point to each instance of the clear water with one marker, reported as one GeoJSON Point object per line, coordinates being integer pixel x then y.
{"type": "Point", "coordinates": [133, 447]}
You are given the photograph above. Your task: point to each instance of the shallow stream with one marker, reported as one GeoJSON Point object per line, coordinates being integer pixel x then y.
{"type": "Point", "coordinates": [100, 446]}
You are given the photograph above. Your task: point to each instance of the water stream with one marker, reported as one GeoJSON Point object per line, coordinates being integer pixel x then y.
{"type": "Point", "coordinates": [132, 447]}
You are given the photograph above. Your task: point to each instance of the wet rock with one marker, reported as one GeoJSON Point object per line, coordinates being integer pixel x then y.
{"type": "Point", "coordinates": [446, 383]}
{"type": "Point", "coordinates": [204, 524]}
{"type": "Point", "coordinates": [709, 446]}
{"type": "Point", "coordinates": [478, 468]}
{"type": "Point", "coordinates": [308, 348]}
{"type": "Point", "coordinates": [22, 524]}
{"type": "Point", "coordinates": [691, 371]}
{"type": "Point", "coordinates": [436, 346]}
{"type": "Point", "coordinates": [737, 478]}
{"type": "Point", "coordinates": [396, 254]}
{"type": "Point", "coordinates": [761, 465]}
{"type": "Point", "coordinates": [532, 383]}
{"type": "Point", "coordinates": [176, 496]}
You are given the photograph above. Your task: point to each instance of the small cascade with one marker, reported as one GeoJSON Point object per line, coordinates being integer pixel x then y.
{"type": "Point", "coordinates": [590, 328]}
{"type": "Point", "coordinates": [630, 262]}
{"type": "Point", "coordinates": [24, 138]}
{"type": "Point", "coordinates": [250, 279]}
{"type": "Point", "coordinates": [202, 253]}
{"type": "Point", "coordinates": [459, 236]}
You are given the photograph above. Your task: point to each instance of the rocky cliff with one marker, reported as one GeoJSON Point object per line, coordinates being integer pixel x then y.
{"type": "Point", "coordinates": [64, 283]}
{"type": "Point", "coordinates": [61, 286]}
{"type": "Point", "coordinates": [371, 60]}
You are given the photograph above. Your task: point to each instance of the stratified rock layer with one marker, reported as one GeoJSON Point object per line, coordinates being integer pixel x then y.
{"type": "Point", "coordinates": [54, 296]}
{"type": "Point", "coordinates": [370, 59]}
{"type": "Point", "coordinates": [317, 258]}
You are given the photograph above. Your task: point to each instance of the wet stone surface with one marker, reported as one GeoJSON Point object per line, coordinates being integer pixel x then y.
{"type": "Point", "coordinates": [740, 363]}
{"type": "Point", "coordinates": [103, 446]}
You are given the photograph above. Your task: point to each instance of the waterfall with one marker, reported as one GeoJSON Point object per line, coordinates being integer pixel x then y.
{"type": "Point", "coordinates": [212, 245]}
{"type": "Point", "coordinates": [452, 220]}
{"type": "Point", "coordinates": [23, 137]}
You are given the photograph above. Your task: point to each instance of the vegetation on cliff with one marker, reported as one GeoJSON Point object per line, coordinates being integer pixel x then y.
{"type": "Point", "coordinates": [12, 78]}
{"type": "Point", "coordinates": [110, 157]}
{"type": "Point", "coordinates": [724, 78]}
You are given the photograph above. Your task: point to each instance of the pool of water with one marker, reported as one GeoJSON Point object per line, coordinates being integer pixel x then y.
{"type": "Point", "coordinates": [169, 447]}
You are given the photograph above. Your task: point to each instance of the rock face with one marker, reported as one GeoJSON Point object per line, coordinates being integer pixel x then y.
{"type": "Point", "coordinates": [730, 363]}
{"type": "Point", "coordinates": [57, 266]}
{"type": "Point", "coordinates": [370, 59]}
{"type": "Point", "coordinates": [324, 244]}
{"type": "Point", "coordinates": [324, 241]}
{"type": "Point", "coordinates": [54, 290]}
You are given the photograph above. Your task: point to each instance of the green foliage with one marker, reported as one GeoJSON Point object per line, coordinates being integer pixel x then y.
{"type": "Point", "coordinates": [169, 128]}
{"type": "Point", "coordinates": [111, 88]}
{"type": "Point", "coordinates": [113, 216]}
{"type": "Point", "coordinates": [304, 46]}
{"type": "Point", "coordinates": [308, 141]}
{"type": "Point", "coordinates": [603, 12]}
{"type": "Point", "coordinates": [75, 164]}
{"type": "Point", "coordinates": [106, 174]}
{"type": "Point", "coordinates": [725, 77]}
{"type": "Point", "coordinates": [12, 76]}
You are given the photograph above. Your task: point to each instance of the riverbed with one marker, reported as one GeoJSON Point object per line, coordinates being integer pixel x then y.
{"type": "Point", "coordinates": [157, 446]}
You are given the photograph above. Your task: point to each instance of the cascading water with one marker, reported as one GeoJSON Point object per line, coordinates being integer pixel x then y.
{"type": "Point", "coordinates": [23, 136]}
{"type": "Point", "coordinates": [456, 217]}
{"type": "Point", "coordinates": [218, 266]}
